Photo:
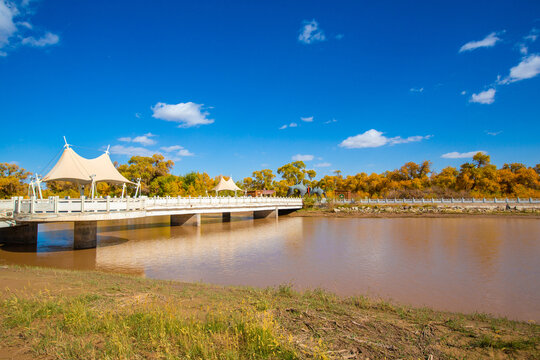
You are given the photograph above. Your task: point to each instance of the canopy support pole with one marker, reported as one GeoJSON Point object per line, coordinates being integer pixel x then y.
{"type": "Point", "coordinates": [123, 189]}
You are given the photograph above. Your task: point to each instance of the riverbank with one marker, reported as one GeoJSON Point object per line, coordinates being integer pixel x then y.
{"type": "Point", "coordinates": [426, 210]}
{"type": "Point", "coordinates": [47, 313]}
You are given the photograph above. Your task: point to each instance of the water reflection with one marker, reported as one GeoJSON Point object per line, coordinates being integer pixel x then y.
{"type": "Point", "coordinates": [461, 264]}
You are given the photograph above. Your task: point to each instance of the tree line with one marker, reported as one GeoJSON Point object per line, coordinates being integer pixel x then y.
{"type": "Point", "coordinates": [478, 178]}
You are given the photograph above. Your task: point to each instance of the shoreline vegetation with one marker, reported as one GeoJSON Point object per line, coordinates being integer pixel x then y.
{"type": "Point", "coordinates": [58, 314]}
{"type": "Point", "coordinates": [478, 178]}
{"type": "Point", "coordinates": [419, 210]}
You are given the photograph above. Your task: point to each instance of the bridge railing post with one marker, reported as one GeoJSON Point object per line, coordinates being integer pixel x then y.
{"type": "Point", "coordinates": [82, 203]}
{"type": "Point", "coordinates": [55, 204]}
{"type": "Point", "coordinates": [108, 204]}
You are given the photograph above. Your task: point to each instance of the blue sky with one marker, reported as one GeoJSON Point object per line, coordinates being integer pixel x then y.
{"type": "Point", "coordinates": [233, 87]}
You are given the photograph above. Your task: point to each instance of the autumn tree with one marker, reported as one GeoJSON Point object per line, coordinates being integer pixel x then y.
{"type": "Point", "coordinates": [262, 179]}
{"type": "Point", "coordinates": [12, 180]}
{"type": "Point", "coordinates": [293, 173]}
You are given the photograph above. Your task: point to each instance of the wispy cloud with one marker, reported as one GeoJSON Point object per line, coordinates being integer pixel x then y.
{"type": "Point", "coordinates": [493, 133]}
{"type": "Point", "coordinates": [323, 164]}
{"type": "Point", "coordinates": [300, 157]}
{"type": "Point", "coordinates": [488, 41]}
{"type": "Point", "coordinates": [528, 68]}
{"type": "Point", "coordinates": [484, 97]}
{"type": "Point", "coordinates": [330, 121]}
{"type": "Point", "coordinates": [416, 90]}
{"type": "Point", "coordinates": [291, 125]}
{"type": "Point", "coordinates": [307, 119]}
{"type": "Point", "coordinates": [458, 155]}
{"type": "Point", "coordinates": [533, 35]}
{"type": "Point", "coordinates": [186, 114]}
{"type": "Point", "coordinates": [310, 32]}
{"type": "Point", "coordinates": [142, 139]}
{"type": "Point", "coordinates": [45, 40]}
{"type": "Point", "coordinates": [130, 150]}
{"type": "Point", "coordinates": [16, 29]}
{"type": "Point", "coordinates": [177, 151]}
{"type": "Point", "coordinates": [339, 36]}
{"type": "Point", "coordinates": [373, 138]}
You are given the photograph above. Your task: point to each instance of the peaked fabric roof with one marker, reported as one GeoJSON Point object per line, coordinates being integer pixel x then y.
{"type": "Point", "coordinates": [73, 167]}
{"type": "Point", "coordinates": [226, 185]}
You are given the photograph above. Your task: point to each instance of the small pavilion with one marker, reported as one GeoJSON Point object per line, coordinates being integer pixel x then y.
{"type": "Point", "coordinates": [72, 167]}
{"type": "Point", "coordinates": [226, 185]}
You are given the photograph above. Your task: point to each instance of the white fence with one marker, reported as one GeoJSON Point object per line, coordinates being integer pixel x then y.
{"type": "Point", "coordinates": [441, 201]}
{"type": "Point", "coordinates": [56, 205]}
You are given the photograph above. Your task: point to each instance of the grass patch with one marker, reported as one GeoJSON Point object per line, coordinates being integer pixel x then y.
{"type": "Point", "coordinates": [90, 315]}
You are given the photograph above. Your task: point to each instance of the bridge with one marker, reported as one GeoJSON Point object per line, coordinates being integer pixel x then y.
{"type": "Point", "coordinates": [26, 214]}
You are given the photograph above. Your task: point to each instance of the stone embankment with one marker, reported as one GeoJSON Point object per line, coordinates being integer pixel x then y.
{"type": "Point", "coordinates": [440, 209]}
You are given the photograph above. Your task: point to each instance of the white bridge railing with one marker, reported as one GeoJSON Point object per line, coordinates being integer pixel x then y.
{"type": "Point", "coordinates": [56, 205]}
{"type": "Point", "coordinates": [441, 201]}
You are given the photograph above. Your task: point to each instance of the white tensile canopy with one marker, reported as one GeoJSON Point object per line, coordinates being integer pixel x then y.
{"type": "Point", "coordinates": [73, 167]}
{"type": "Point", "coordinates": [226, 185]}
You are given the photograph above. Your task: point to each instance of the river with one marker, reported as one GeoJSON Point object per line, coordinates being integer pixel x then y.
{"type": "Point", "coordinates": [467, 264]}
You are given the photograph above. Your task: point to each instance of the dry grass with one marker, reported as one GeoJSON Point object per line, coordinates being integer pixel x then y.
{"type": "Point", "coordinates": [60, 314]}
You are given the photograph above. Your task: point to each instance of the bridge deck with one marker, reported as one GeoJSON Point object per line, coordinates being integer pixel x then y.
{"type": "Point", "coordinates": [55, 209]}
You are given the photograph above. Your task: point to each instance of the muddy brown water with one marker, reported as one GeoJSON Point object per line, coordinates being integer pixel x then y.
{"type": "Point", "coordinates": [465, 264]}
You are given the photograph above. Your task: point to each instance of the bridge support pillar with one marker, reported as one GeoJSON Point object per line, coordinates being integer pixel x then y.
{"type": "Point", "coordinates": [25, 234]}
{"type": "Point", "coordinates": [186, 219]}
{"type": "Point", "coordinates": [261, 214]}
{"type": "Point", "coordinates": [286, 211]}
{"type": "Point", "coordinates": [226, 217]}
{"type": "Point", "coordinates": [85, 235]}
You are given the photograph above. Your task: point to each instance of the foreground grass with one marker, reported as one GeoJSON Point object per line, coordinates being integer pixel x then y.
{"type": "Point", "coordinates": [46, 313]}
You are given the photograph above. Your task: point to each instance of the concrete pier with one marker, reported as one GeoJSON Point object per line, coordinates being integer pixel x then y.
{"type": "Point", "coordinates": [187, 219]}
{"type": "Point", "coordinates": [85, 235]}
{"type": "Point", "coordinates": [24, 234]}
{"type": "Point", "coordinates": [226, 217]}
{"type": "Point", "coordinates": [261, 214]}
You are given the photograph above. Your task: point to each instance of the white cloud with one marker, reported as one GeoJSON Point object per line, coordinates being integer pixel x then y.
{"type": "Point", "coordinates": [7, 27]}
{"type": "Point", "coordinates": [373, 138]}
{"type": "Point", "coordinates": [523, 49]}
{"type": "Point", "coordinates": [340, 36]}
{"type": "Point", "coordinates": [488, 41]}
{"type": "Point", "coordinates": [418, 90]}
{"type": "Point", "coordinates": [400, 140]}
{"type": "Point", "coordinates": [130, 150]}
{"type": "Point", "coordinates": [484, 97]}
{"type": "Point", "coordinates": [307, 119]}
{"type": "Point", "coordinates": [293, 124]}
{"type": "Point", "coordinates": [138, 115]}
{"type": "Point", "coordinates": [171, 148]}
{"type": "Point", "coordinates": [186, 114]}
{"type": "Point", "coordinates": [179, 150]}
{"type": "Point", "coordinates": [330, 121]}
{"type": "Point", "coordinates": [323, 164]}
{"type": "Point", "coordinates": [463, 92]}
{"type": "Point", "coordinates": [300, 157]}
{"type": "Point", "coordinates": [457, 155]}
{"type": "Point", "coordinates": [528, 68]}
{"type": "Point", "coordinates": [533, 35]}
{"type": "Point", "coordinates": [47, 39]}
{"type": "Point", "coordinates": [310, 33]}
{"type": "Point", "coordinates": [15, 29]}
{"type": "Point", "coordinates": [143, 139]}
{"type": "Point", "coordinates": [185, 152]}
{"type": "Point", "coordinates": [493, 133]}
